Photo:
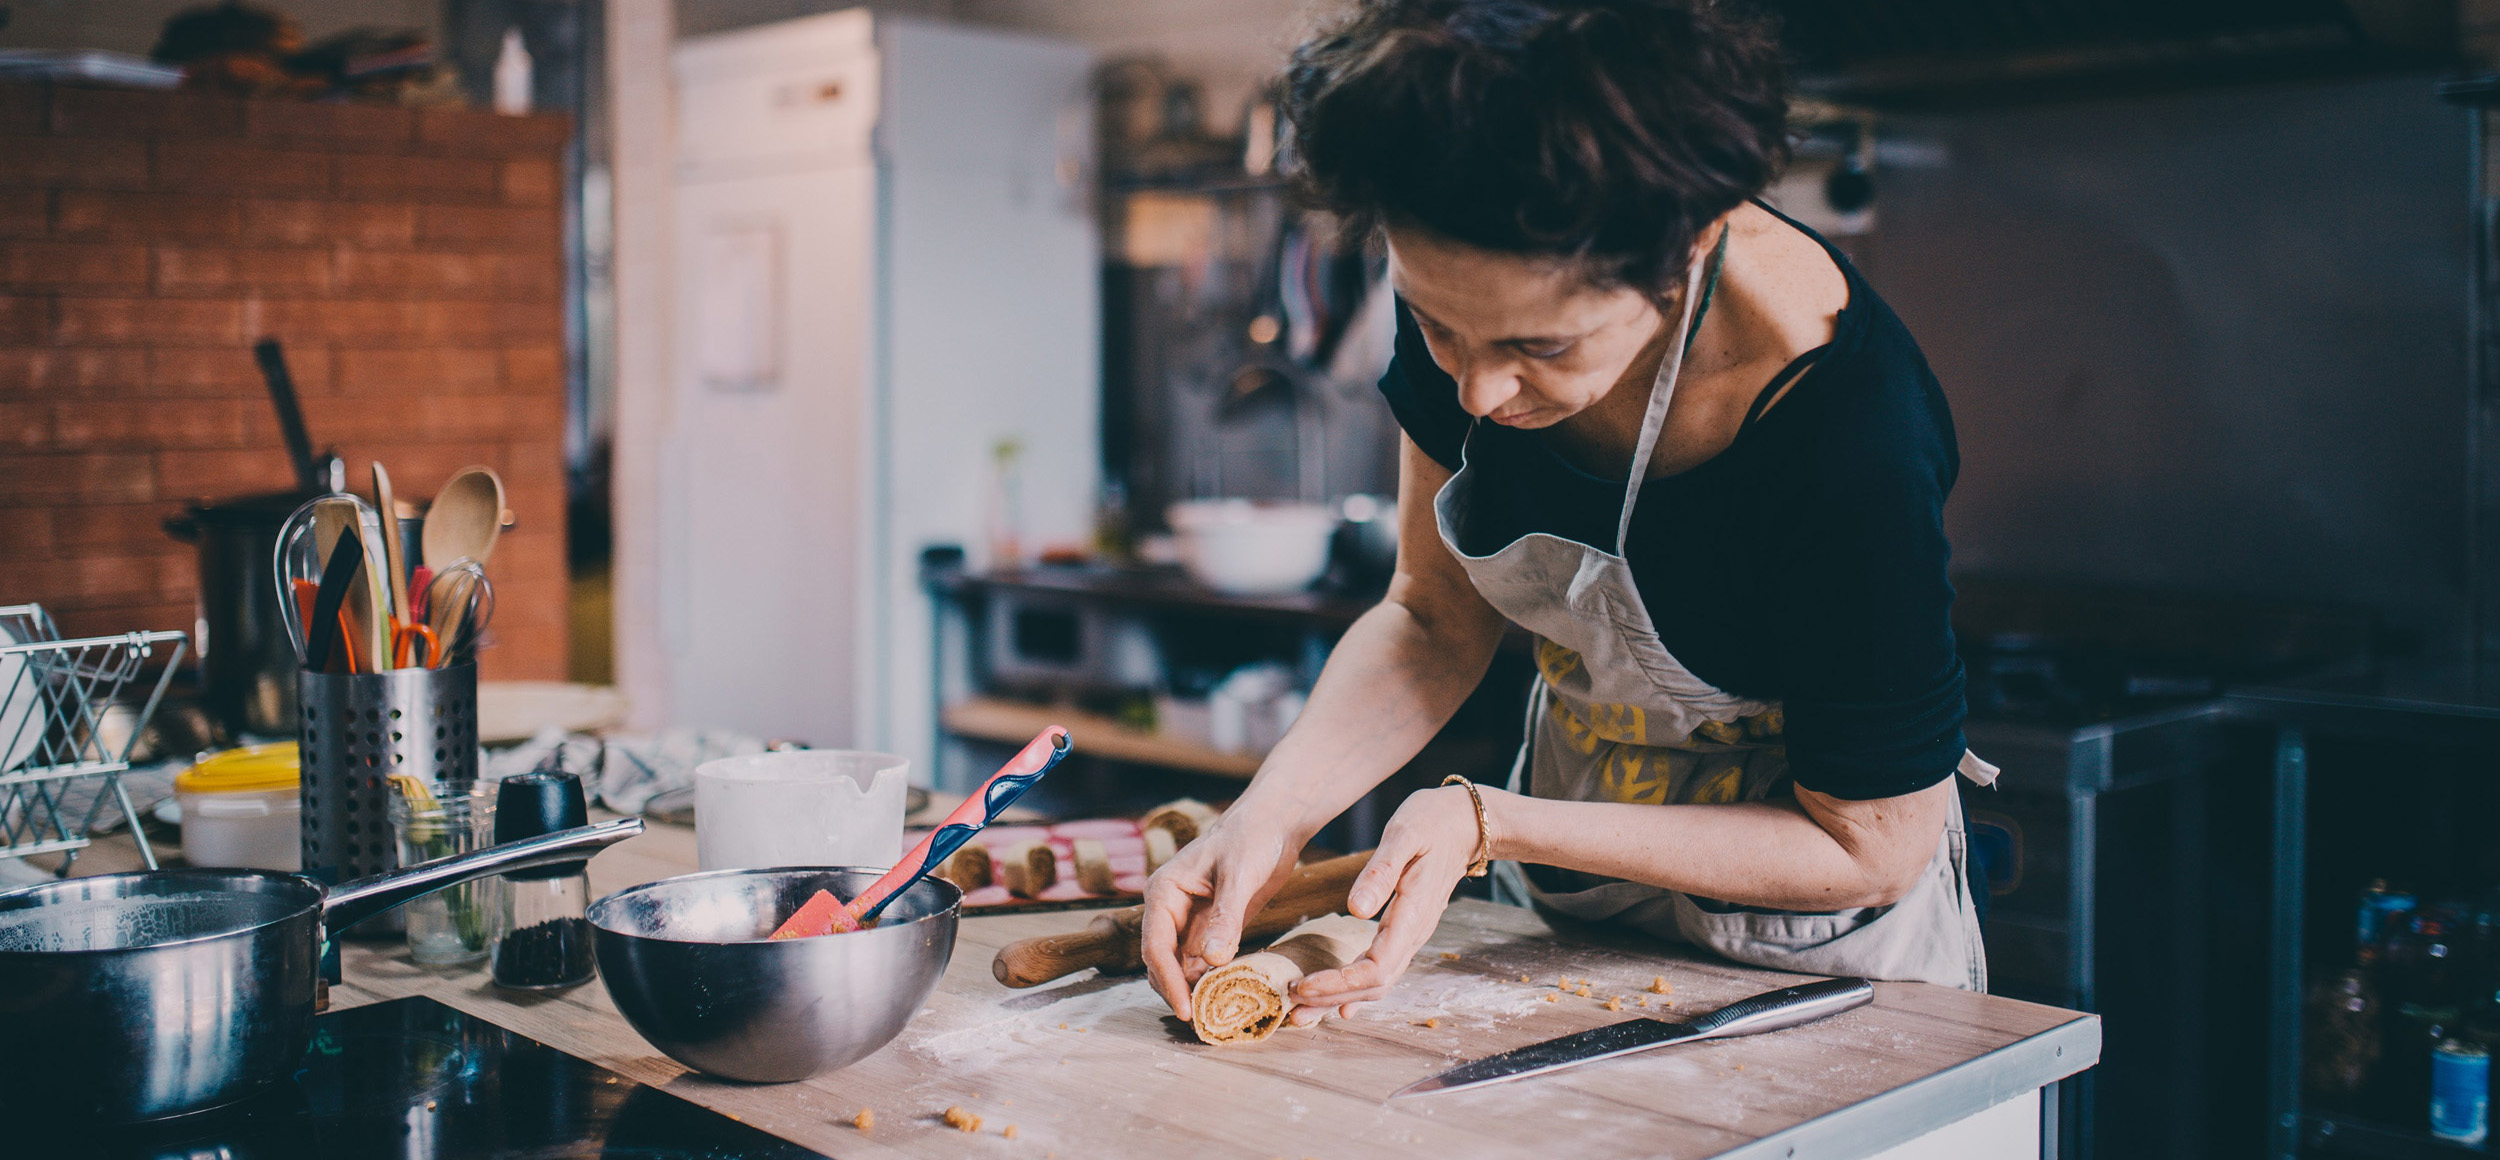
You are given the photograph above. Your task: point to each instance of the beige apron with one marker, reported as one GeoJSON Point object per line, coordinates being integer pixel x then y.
{"type": "Point", "coordinates": [1614, 717]}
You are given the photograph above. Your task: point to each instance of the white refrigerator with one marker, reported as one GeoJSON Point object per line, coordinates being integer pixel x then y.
{"type": "Point", "coordinates": [886, 267]}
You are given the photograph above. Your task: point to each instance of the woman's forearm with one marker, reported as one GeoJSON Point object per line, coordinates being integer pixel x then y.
{"type": "Point", "coordinates": [1772, 854]}
{"type": "Point", "coordinates": [1394, 679]}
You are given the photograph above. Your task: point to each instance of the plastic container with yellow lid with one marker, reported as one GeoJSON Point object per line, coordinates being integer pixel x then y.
{"type": "Point", "coordinates": [242, 808]}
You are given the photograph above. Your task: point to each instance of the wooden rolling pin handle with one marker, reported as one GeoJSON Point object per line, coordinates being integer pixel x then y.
{"type": "Point", "coordinates": [1109, 943]}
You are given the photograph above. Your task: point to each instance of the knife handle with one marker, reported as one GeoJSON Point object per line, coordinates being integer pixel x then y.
{"type": "Point", "coordinates": [1786, 1007]}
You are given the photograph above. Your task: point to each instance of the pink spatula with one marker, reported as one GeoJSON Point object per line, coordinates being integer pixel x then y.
{"type": "Point", "coordinates": [825, 914]}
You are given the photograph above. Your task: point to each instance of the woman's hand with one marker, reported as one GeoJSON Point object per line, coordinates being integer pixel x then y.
{"type": "Point", "coordinates": [1426, 849]}
{"type": "Point", "coordinates": [1197, 904]}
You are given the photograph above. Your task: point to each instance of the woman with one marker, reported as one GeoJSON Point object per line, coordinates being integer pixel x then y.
{"type": "Point", "coordinates": [1676, 437]}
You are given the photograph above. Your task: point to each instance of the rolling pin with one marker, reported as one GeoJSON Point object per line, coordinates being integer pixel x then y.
{"type": "Point", "coordinates": [1109, 943]}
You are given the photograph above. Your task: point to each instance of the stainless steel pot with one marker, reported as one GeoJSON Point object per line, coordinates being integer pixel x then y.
{"type": "Point", "coordinates": [691, 964]}
{"type": "Point", "coordinates": [247, 666]}
{"type": "Point", "coordinates": [146, 995]}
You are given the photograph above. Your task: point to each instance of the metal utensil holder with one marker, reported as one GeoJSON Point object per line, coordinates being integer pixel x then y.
{"type": "Point", "coordinates": [62, 717]}
{"type": "Point", "coordinates": [360, 729]}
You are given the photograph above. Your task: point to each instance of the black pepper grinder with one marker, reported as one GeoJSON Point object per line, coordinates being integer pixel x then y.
{"type": "Point", "coordinates": [542, 928]}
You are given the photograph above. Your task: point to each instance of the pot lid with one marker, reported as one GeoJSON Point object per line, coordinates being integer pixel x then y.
{"type": "Point", "coordinates": [269, 509]}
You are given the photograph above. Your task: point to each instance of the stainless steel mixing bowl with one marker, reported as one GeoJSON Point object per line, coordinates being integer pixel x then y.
{"type": "Point", "coordinates": [689, 962]}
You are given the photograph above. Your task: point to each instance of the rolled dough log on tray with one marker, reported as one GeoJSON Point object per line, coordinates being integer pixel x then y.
{"type": "Point", "coordinates": [1246, 1000]}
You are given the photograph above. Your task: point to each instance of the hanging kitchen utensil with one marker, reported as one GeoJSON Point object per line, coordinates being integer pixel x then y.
{"type": "Point", "coordinates": [154, 994]}
{"type": "Point", "coordinates": [466, 518]}
{"type": "Point", "coordinates": [1769, 1011]}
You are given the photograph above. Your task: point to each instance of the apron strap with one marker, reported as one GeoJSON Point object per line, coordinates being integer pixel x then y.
{"type": "Point", "coordinates": [1699, 286]}
{"type": "Point", "coordinates": [1977, 769]}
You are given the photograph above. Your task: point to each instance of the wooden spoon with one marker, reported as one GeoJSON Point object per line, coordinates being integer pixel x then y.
{"type": "Point", "coordinates": [466, 517]}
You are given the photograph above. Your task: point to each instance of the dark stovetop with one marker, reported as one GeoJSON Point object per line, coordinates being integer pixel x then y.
{"type": "Point", "coordinates": [412, 1079]}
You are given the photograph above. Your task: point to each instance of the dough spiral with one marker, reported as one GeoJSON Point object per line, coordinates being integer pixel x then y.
{"type": "Point", "coordinates": [1246, 1000]}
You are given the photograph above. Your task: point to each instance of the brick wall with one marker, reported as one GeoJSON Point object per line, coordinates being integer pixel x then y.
{"type": "Point", "coordinates": [410, 261]}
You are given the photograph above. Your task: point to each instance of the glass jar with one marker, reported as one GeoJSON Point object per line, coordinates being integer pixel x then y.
{"type": "Point", "coordinates": [542, 937]}
{"type": "Point", "coordinates": [542, 931]}
{"type": "Point", "coordinates": [452, 925]}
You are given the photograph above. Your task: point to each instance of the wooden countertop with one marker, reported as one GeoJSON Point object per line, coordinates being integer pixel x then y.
{"type": "Point", "coordinates": [1094, 1067]}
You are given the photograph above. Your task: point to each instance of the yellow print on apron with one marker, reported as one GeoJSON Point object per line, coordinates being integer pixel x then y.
{"type": "Point", "coordinates": [1608, 721]}
{"type": "Point", "coordinates": [1635, 775]}
{"type": "Point", "coordinates": [1554, 662]}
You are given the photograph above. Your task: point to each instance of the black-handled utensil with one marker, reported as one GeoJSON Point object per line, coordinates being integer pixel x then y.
{"type": "Point", "coordinates": [1768, 1011]}
{"type": "Point", "coordinates": [272, 360]}
{"type": "Point", "coordinates": [337, 577]}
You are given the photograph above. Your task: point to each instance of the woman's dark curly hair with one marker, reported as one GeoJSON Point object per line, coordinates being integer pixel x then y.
{"type": "Point", "coordinates": [1607, 133]}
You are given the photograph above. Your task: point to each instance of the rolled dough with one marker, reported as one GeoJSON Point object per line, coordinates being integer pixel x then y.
{"type": "Point", "coordinates": [1093, 867]}
{"type": "Point", "coordinates": [1184, 820]}
{"type": "Point", "coordinates": [1028, 868]}
{"type": "Point", "coordinates": [1246, 1000]}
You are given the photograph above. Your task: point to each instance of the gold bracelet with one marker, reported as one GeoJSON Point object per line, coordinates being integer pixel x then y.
{"type": "Point", "coordinates": [1484, 838]}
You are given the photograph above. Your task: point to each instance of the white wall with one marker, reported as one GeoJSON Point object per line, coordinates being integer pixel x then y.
{"type": "Point", "coordinates": [1229, 45]}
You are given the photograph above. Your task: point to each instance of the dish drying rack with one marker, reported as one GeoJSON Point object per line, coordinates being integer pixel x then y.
{"type": "Point", "coordinates": [63, 717]}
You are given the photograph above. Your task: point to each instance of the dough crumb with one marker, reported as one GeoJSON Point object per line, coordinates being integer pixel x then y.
{"type": "Point", "coordinates": [1658, 986]}
{"type": "Point", "coordinates": [1063, 1027]}
{"type": "Point", "coordinates": [1644, 1002]}
{"type": "Point", "coordinates": [1549, 996]}
{"type": "Point", "coordinates": [1523, 978]}
{"type": "Point", "coordinates": [866, 1120]}
{"type": "Point", "coordinates": [1449, 956]}
{"type": "Point", "coordinates": [1433, 1023]}
{"type": "Point", "coordinates": [1583, 992]}
{"type": "Point", "coordinates": [962, 1121]}
{"type": "Point", "coordinates": [1615, 1004]}
{"type": "Point", "coordinates": [1009, 1131]}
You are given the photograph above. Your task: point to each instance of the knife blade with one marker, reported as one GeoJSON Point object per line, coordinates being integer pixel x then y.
{"type": "Point", "coordinates": [1768, 1011]}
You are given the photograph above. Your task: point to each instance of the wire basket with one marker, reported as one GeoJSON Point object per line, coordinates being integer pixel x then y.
{"type": "Point", "coordinates": [63, 716]}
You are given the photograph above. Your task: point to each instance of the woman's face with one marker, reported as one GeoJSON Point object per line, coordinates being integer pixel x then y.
{"type": "Point", "coordinates": [1530, 342]}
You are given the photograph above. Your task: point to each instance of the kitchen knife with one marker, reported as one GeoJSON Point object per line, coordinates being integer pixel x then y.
{"type": "Point", "coordinates": [1768, 1011]}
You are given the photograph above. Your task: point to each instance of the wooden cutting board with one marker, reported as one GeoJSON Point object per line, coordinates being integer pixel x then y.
{"type": "Point", "coordinates": [1095, 1067]}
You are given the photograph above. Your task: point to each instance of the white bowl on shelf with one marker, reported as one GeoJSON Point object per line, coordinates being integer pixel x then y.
{"type": "Point", "coordinates": [1251, 548]}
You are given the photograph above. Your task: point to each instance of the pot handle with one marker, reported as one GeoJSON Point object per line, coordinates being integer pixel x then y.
{"type": "Point", "coordinates": [352, 902]}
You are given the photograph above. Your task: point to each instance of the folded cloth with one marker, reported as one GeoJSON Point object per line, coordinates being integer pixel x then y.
{"type": "Point", "coordinates": [638, 768]}
{"type": "Point", "coordinates": [550, 748]}
{"type": "Point", "coordinates": [1246, 1000]}
{"type": "Point", "coordinates": [624, 770]}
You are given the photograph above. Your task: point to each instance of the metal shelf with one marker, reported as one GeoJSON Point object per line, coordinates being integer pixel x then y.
{"type": "Point", "coordinates": [2340, 1134]}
